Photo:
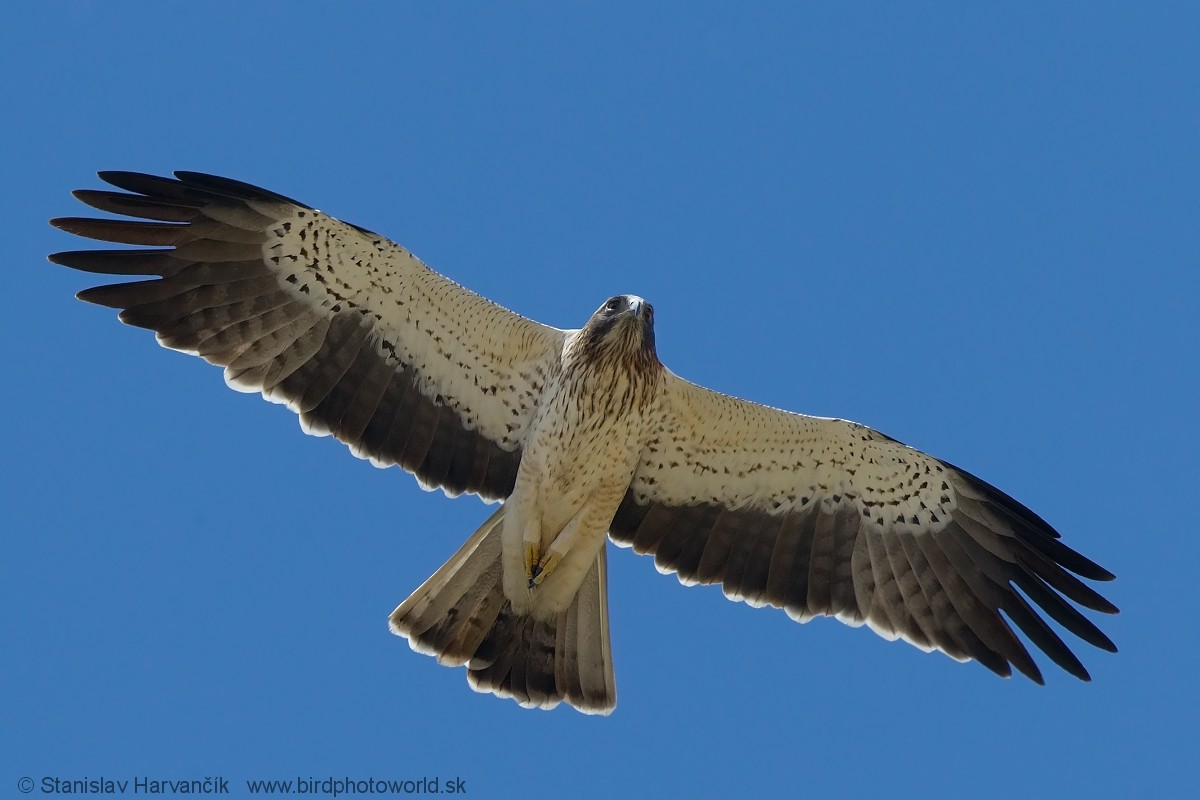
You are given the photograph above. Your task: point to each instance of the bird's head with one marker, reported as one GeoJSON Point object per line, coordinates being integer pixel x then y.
{"type": "Point", "coordinates": [624, 325]}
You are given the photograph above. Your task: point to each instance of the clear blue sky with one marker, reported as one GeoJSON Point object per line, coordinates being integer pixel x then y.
{"type": "Point", "coordinates": [974, 229]}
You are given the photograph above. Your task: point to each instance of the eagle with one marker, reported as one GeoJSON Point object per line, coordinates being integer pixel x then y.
{"type": "Point", "coordinates": [582, 436]}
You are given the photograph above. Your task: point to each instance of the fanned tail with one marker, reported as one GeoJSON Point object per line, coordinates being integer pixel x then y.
{"type": "Point", "coordinates": [461, 616]}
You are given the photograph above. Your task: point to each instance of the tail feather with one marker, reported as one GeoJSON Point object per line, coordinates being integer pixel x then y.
{"type": "Point", "coordinates": [448, 615]}
{"type": "Point", "coordinates": [465, 643]}
{"type": "Point", "coordinates": [461, 616]}
{"type": "Point", "coordinates": [588, 656]}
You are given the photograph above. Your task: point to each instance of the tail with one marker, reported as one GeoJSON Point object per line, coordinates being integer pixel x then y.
{"type": "Point", "coordinates": [461, 616]}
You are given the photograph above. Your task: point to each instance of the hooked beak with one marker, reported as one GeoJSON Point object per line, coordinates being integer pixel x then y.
{"type": "Point", "coordinates": [637, 308]}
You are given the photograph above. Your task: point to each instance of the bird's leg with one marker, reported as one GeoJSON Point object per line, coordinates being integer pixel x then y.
{"type": "Point", "coordinates": [522, 532]}
{"type": "Point", "coordinates": [531, 548]}
{"type": "Point", "coordinates": [532, 561]}
{"type": "Point", "coordinates": [587, 521]}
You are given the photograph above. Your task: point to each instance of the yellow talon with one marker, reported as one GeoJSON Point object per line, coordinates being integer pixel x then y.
{"type": "Point", "coordinates": [532, 556]}
{"type": "Point", "coordinates": [544, 568]}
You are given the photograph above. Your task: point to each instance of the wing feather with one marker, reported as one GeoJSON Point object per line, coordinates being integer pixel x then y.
{"type": "Point", "coordinates": [918, 627]}
{"type": "Point", "coordinates": [885, 609]}
{"type": "Point", "coordinates": [947, 630]}
{"type": "Point", "coordinates": [824, 517]}
{"type": "Point", "coordinates": [348, 329]}
{"type": "Point", "coordinates": [789, 572]}
{"type": "Point", "coordinates": [749, 567]}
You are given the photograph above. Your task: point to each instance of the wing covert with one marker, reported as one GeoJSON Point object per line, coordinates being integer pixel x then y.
{"type": "Point", "coordinates": [346, 328]}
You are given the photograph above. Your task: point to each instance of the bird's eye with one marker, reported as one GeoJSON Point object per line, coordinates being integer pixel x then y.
{"type": "Point", "coordinates": [649, 311]}
{"type": "Point", "coordinates": [613, 304]}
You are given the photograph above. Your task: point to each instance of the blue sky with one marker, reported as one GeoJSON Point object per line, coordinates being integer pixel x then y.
{"type": "Point", "coordinates": [972, 228]}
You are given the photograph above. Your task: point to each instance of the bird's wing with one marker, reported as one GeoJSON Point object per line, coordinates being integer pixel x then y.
{"type": "Point", "coordinates": [828, 517]}
{"type": "Point", "coordinates": [348, 329]}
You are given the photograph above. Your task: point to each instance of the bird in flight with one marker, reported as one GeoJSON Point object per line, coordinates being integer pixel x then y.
{"type": "Point", "coordinates": [582, 435]}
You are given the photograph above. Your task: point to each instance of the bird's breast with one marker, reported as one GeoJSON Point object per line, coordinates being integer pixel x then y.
{"type": "Point", "coordinates": [583, 440]}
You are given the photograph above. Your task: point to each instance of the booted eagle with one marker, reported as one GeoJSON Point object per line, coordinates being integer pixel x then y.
{"type": "Point", "coordinates": [583, 435]}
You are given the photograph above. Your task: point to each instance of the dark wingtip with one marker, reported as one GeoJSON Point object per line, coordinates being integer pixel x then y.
{"type": "Point", "coordinates": [97, 295]}
{"type": "Point", "coordinates": [232, 188]}
{"type": "Point", "coordinates": [120, 178]}
{"type": "Point", "coordinates": [1029, 668]}
{"type": "Point", "coordinates": [1080, 564]}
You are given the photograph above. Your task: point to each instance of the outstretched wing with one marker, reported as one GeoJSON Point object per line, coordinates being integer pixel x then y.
{"type": "Point", "coordinates": [828, 517]}
{"type": "Point", "coordinates": [348, 329]}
